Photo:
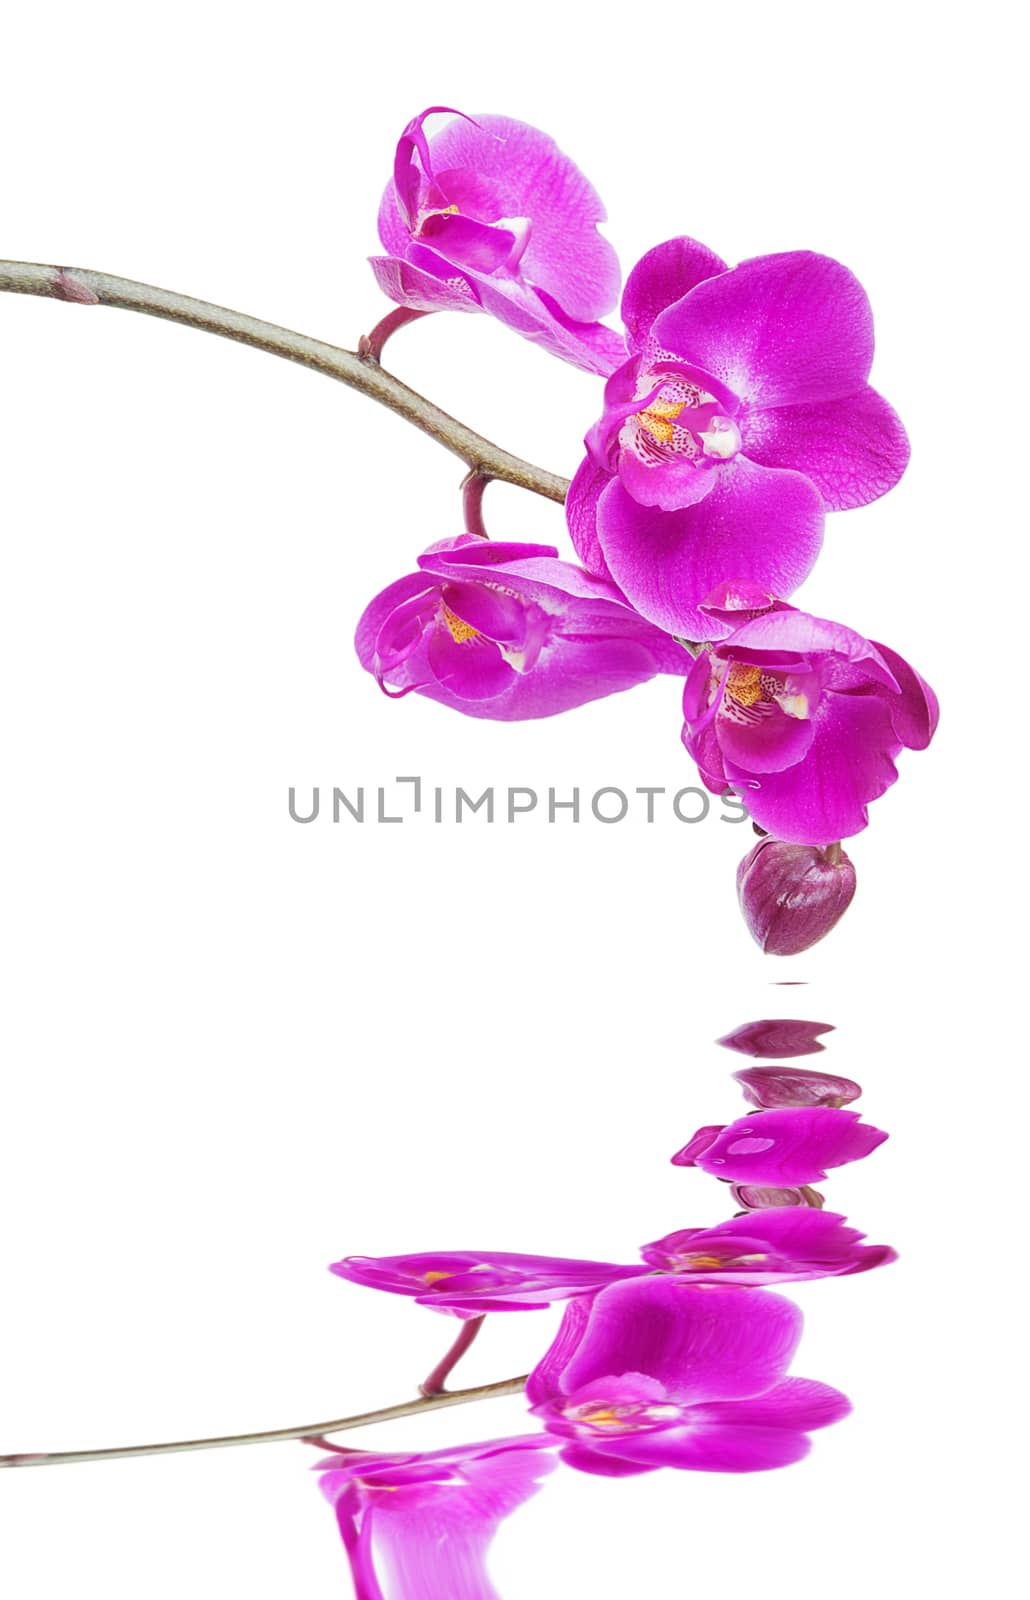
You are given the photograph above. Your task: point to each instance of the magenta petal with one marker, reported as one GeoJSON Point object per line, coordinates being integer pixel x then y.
{"type": "Point", "coordinates": [854, 448]}
{"type": "Point", "coordinates": [687, 1157]}
{"type": "Point", "coordinates": [532, 178]}
{"type": "Point", "coordinates": [405, 595]}
{"type": "Point", "coordinates": [794, 1403]}
{"type": "Point", "coordinates": [410, 285]}
{"type": "Point", "coordinates": [481, 1280]}
{"type": "Point", "coordinates": [697, 687]}
{"type": "Point", "coordinates": [702, 745]}
{"type": "Point", "coordinates": [670, 487]}
{"type": "Point", "coordinates": [915, 714]}
{"type": "Point", "coordinates": [526, 310]}
{"type": "Point", "coordinates": [426, 1523]}
{"type": "Point", "coordinates": [585, 491]}
{"type": "Point", "coordinates": [772, 744]}
{"type": "Point", "coordinates": [784, 1244]}
{"type": "Point", "coordinates": [470, 1295]}
{"type": "Point", "coordinates": [778, 330]}
{"type": "Point", "coordinates": [597, 348]}
{"type": "Point", "coordinates": [784, 634]}
{"type": "Point", "coordinates": [471, 244]}
{"type": "Point", "coordinates": [472, 670]}
{"type": "Point", "coordinates": [825, 797]}
{"type": "Point", "coordinates": [491, 612]}
{"type": "Point", "coordinates": [702, 1343]}
{"type": "Point", "coordinates": [789, 1147]}
{"type": "Point", "coordinates": [720, 1447]}
{"type": "Point", "coordinates": [435, 1543]}
{"type": "Point", "coordinates": [738, 600]}
{"type": "Point", "coordinates": [408, 180]}
{"type": "Point", "coordinates": [759, 522]}
{"type": "Point", "coordinates": [569, 673]}
{"type": "Point", "coordinates": [661, 277]}
{"type": "Point", "coordinates": [544, 1383]}
{"type": "Point", "coordinates": [468, 554]}
{"type": "Point", "coordinates": [509, 632]}
{"type": "Point", "coordinates": [584, 1459]}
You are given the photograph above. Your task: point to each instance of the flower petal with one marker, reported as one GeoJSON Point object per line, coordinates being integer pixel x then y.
{"type": "Point", "coordinates": [721, 1447]}
{"type": "Point", "coordinates": [471, 670]}
{"type": "Point", "coordinates": [404, 596]}
{"type": "Point", "coordinates": [779, 330]}
{"type": "Point", "coordinates": [757, 523]}
{"type": "Point", "coordinates": [468, 243]}
{"type": "Point", "coordinates": [586, 1460]}
{"type": "Point", "coordinates": [916, 713]}
{"type": "Point", "coordinates": [794, 1403]}
{"type": "Point", "coordinates": [770, 743]}
{"type": "Point", "coordinates": [490, 611]}
{"type": "Point", "coordinates": [530, 177]}
{"type": "Point", "coordinates": [700, 1342]}
{"type": "Point", "coordinates": [854, 449]}
{"type": "Point", "coordinates": [410, 285]}
{"type": "Point", "coordinates": [422, 1538]}
{"type": "Point", "coordinates": [789, 1147]}
{"type": "Point", "coordinates": [662, 277]}
{"type": "Point", "coordinates": [825, 797]}
{"type": "Point", "coordinates": [585, 491]}
{"type": "Point", "coordinates": [784, 1244]}
{"type": "Point", "coordinates": [541, 320]}
{"type": "Point", "coordinates": [784, 635]}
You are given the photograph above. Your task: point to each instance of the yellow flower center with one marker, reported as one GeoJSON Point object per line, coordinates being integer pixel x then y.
{"type": "Point", "coordinates": [659, 417]}
{"type": "Point", "coordinates": [461, 631]}
{"type": "Point", "coordinates": [744, 683]}
{"type": "Point", "coordinates": [601, 1417]}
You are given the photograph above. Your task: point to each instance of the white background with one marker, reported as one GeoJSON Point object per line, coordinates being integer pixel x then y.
{"type": "Point", "coordinates": [236, 1049]}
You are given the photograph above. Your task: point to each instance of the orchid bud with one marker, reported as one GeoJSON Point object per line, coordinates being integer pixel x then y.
{"type": "Point", "coordinates": [791, 895]}
{"type": "Point", "coordinates": [776, 1038]}
{"type": "Point", "coordinates": [768, 1088]}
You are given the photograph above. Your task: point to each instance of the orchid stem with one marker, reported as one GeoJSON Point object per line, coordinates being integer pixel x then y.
{"type": "Point", "coordinates": [86, 287]}
{"type": "Point", "coordinates": [472, 490]}
{"type": "Point", "coordinates": [434, 1384]}
{"type": "Point", "coordinates": [371, 345]}
{"type": "Point", "coordinates": [407, 1408]}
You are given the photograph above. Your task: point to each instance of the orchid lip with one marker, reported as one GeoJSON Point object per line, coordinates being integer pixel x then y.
{"type": "Point", "coordinates": [598, 1417]}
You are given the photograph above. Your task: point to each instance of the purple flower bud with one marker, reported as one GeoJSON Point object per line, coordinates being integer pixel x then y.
{"type": "Point", "coordinates": [770, 1087]}
{"type": "Point", "coordinates": [791, 895]}
{"type": "Point", "coordinates": [776, 1038]}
